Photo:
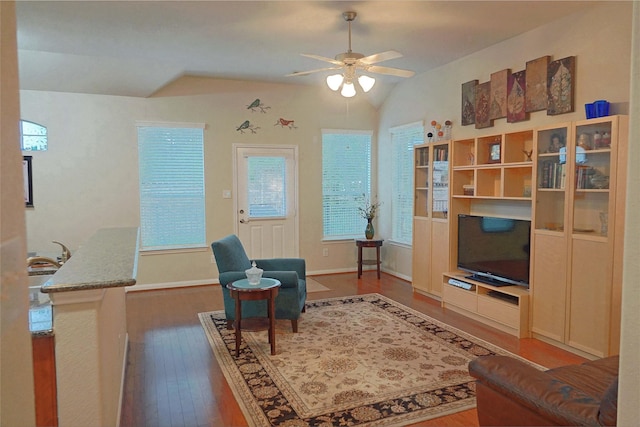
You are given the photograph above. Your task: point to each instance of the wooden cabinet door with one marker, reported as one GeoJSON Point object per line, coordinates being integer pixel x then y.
{"type": "Point", "coordinates": [421, 254]}
{"type": "Point", "coordinates": [549, 287]}
{"type": "Point", "coordinates": [590, 297]}
{"type": "Point", "coordinates": [439, 255]}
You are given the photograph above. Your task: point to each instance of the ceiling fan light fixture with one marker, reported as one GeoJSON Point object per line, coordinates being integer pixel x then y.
{"type": "Point", "coordinates": [348, 90]}
{"type": "Point", "coordinates": [334, 81]}
{"type": "Point", "coordinates": [366, 82]}
{"type": "Point", "coordinates": [351, 63]}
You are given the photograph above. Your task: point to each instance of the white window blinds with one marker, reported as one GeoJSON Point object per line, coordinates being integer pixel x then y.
{"type": "Point", "coordinates": [403, 138]}
{"type": "Point", "coordinates": [346, 176]}
{"type": "Point", "coordinates": [171, 169]}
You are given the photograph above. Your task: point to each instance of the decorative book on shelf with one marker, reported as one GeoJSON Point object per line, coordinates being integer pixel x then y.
{"type": "Point", "coordinates": [553, 175]}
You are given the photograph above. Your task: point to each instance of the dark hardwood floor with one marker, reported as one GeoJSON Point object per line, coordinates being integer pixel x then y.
{"type": "Point", "coordinates": [173, 379]}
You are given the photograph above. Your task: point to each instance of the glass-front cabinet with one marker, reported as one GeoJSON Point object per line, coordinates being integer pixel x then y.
{"type": "Point", "coordinates": [574, 172]}
{"type": "Point", "coordinates": [551, 186]}
{"type": "Point", "coordinates": [440, 181]}
{"type": "Point", "coordinates": [577, 240]}
{"type": "Point", "coordinates": [421, 180]}
{"type": "Point", "coordinates": [431, 216]}
{"type": "Point", "coordinates": [431, 180]}
{"type": "Point", "coordinates": [592, 177]}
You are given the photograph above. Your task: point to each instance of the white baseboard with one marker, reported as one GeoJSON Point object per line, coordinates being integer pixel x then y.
{"type": "Point", "coordinates": [189, 283]}
{"type": "Point", "coordinates": [124, 375]}
{"type": "Point", "coordinates": [398, 275]}
{"type": "Point", "coordinates": [170, 285]}
{"type": "Point", "coordinates": [332, 271]}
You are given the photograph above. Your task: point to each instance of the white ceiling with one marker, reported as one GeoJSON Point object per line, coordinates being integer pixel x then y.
{"type": "Point", "coordinates": [136, 48]}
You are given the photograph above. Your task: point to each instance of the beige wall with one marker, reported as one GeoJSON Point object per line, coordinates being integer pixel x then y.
{"type": "Point", "coordinates": [629, 389]}
{"type": "Point", "coordinates": [88, 178]}
{"type": "Point", "coordinates": [16, 372]}
{"type": "Point", "coordinates": [598, 38]}
{"type": "Point", "coordinates": [601, 41]}
{"type": "Point", "coordinates": [100, 140]}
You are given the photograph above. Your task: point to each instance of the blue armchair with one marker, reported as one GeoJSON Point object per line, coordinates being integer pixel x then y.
{"type": "Point", "coordinates": [232, 262]}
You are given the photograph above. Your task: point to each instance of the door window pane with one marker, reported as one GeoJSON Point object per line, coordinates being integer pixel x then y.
{"type": "Point", "coordinates": [267, 187]}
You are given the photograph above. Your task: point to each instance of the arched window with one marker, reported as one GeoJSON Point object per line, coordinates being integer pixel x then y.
{"type": "Point", "coordinates": [33, 137]}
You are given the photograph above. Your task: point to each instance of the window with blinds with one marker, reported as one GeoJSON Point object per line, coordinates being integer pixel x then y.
{"type": "Point", "coordinates": [346, 176]}
{"type": "Point", "coordinates": [403, 138]}
{"type": "Point", "coordinates": [171, 169]}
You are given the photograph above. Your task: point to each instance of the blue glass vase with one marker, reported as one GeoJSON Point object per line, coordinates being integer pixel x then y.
{"type": "Point", "coordinates": [369, 231]}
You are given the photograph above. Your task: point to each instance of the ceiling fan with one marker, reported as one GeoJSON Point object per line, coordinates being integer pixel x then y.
{"type": "Point", "coordinates": [350, 62]}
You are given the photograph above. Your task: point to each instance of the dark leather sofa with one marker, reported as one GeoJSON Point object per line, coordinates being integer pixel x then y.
{"type": "Point", "coordinates": [513, 393]}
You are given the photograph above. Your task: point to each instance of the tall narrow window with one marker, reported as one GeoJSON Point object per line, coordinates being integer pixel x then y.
{"type": "Point", "coordinates": [346, 177]}
{"type": "Point", "coordinates": [171, 168]}
{"type": "Point", "coordinates": [403, 138]}
{"type": "Point", "coordinates": [33, 137]}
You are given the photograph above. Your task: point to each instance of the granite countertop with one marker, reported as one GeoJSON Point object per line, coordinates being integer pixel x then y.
{"type": "Point", "coordinates": [108, 259]}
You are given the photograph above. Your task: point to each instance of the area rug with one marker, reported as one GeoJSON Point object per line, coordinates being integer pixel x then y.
{"type": "Point", "coordinates": [363, 360]}
{"type": "Point", "coordinates": [315, 286]}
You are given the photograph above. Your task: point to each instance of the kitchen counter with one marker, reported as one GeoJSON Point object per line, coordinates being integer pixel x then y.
{"type": "Point", "coordinates": [89, 332]}
{"type": "Point", "coordinates": [108, 259]}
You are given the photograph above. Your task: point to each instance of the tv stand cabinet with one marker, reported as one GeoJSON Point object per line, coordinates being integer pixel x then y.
{"type": "Point", "coordinates": [505, 308]}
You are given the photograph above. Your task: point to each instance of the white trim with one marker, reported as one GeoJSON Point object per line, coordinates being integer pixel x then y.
{"type": "Point", "coordinates": [171, 125]}
{"type": "Point", "coordinates": [399, 244]}
{"type": "Point", "coordinates": [170, 285]}
{"type": "Point", "coordinates": [124, 375]}
{"type": "Point", "coordinates": [145, 252]}
{"type": "Point", "coordinates": [347, 131]}
{"type": "Point", "coordinates": [395, 129]}
{"type": "Point", "coordinates": [216, 282]}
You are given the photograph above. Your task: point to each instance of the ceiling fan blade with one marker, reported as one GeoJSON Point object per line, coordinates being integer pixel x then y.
{"type": "Point", "coordinates": [304, 73]}
{"type": "Point", "coordinates": [322, 58]}
{"type": "Point", "coordinates": [379, 57]}
{"type": "Point", "coordinates": [390, 71]}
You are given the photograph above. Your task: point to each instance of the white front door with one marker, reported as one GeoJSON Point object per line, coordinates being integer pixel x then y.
{"type": "Point", "coordinates": [266, 200]}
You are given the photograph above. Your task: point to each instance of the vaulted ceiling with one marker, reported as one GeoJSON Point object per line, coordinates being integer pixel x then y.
{"type": "Point", "coordinates": [135, 48]}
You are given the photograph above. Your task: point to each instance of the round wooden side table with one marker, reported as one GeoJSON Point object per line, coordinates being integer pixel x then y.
{"type": "Point", "coordinates": [267, 289]}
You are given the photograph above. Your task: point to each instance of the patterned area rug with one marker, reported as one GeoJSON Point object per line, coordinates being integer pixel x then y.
{"type": "Point", "coordinates": [364, 360]}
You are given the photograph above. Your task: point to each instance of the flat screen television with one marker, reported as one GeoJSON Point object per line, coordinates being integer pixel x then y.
{"type": "Point", "coordinates": [494, 250]}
